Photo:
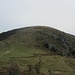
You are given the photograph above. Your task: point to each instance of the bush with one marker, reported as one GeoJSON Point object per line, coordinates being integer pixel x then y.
{"type": "Point", "coordinates": [14, 70]}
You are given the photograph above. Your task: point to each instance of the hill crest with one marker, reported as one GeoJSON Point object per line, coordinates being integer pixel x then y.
{"type": "Point", "coordinates": [41, 37]}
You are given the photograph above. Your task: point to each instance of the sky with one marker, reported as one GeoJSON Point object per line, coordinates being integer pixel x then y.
{"type": "Point", "coordinates": [59, 14]}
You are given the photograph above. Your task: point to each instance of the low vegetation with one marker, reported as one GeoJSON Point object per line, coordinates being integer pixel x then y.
{"type": "Point", "coordinates": [38, 66]}
{"type": "Point", "coordinates": [37, 50]}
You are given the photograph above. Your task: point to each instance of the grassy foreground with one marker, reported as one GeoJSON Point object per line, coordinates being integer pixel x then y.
{"type": "Point", "coordinates": [30, 56]}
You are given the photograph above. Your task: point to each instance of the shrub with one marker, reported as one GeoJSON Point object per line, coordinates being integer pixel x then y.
{"type": "Point", "coordinates": [14, 70]}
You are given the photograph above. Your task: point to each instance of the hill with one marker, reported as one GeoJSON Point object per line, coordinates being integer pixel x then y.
{"type": "Point", "coordinates": [40, 37]}
{"type": "Point", "coordinates": [26, 45]}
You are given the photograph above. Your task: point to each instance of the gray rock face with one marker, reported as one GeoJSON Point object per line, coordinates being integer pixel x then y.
{"type": "Point", "coordinates": [51, 47]}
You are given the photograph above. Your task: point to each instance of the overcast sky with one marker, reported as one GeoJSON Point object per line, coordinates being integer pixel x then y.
{"type": "Point", "coordinates": [59, 14]}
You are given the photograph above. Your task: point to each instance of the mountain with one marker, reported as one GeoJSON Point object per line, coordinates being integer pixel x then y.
{"type": "Point", "coordinates": [26, 45]}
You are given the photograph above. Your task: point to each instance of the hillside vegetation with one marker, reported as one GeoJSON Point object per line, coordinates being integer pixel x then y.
{"type": "Point", "coordinates": [29, 45]}
{"type": "Point", "coordinates": [40, 37]}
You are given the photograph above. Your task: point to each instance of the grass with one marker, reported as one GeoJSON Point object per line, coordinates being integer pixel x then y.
{"type": "Point", "coordinates": [53, 62]}
{"type": "Point", "coordinates": [30, 43]}
{"type": "Point", "coordinates": [49, 62]}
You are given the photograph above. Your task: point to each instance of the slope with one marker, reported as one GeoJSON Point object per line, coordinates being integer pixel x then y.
{"type": "Point", "coordinates": [25, 46]}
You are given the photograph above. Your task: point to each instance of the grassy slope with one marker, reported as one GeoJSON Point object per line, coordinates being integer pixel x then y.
{"type": "Point", "coordinates": [20, 45]}
{"type": "Point", "coordinates": [48, 62]}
